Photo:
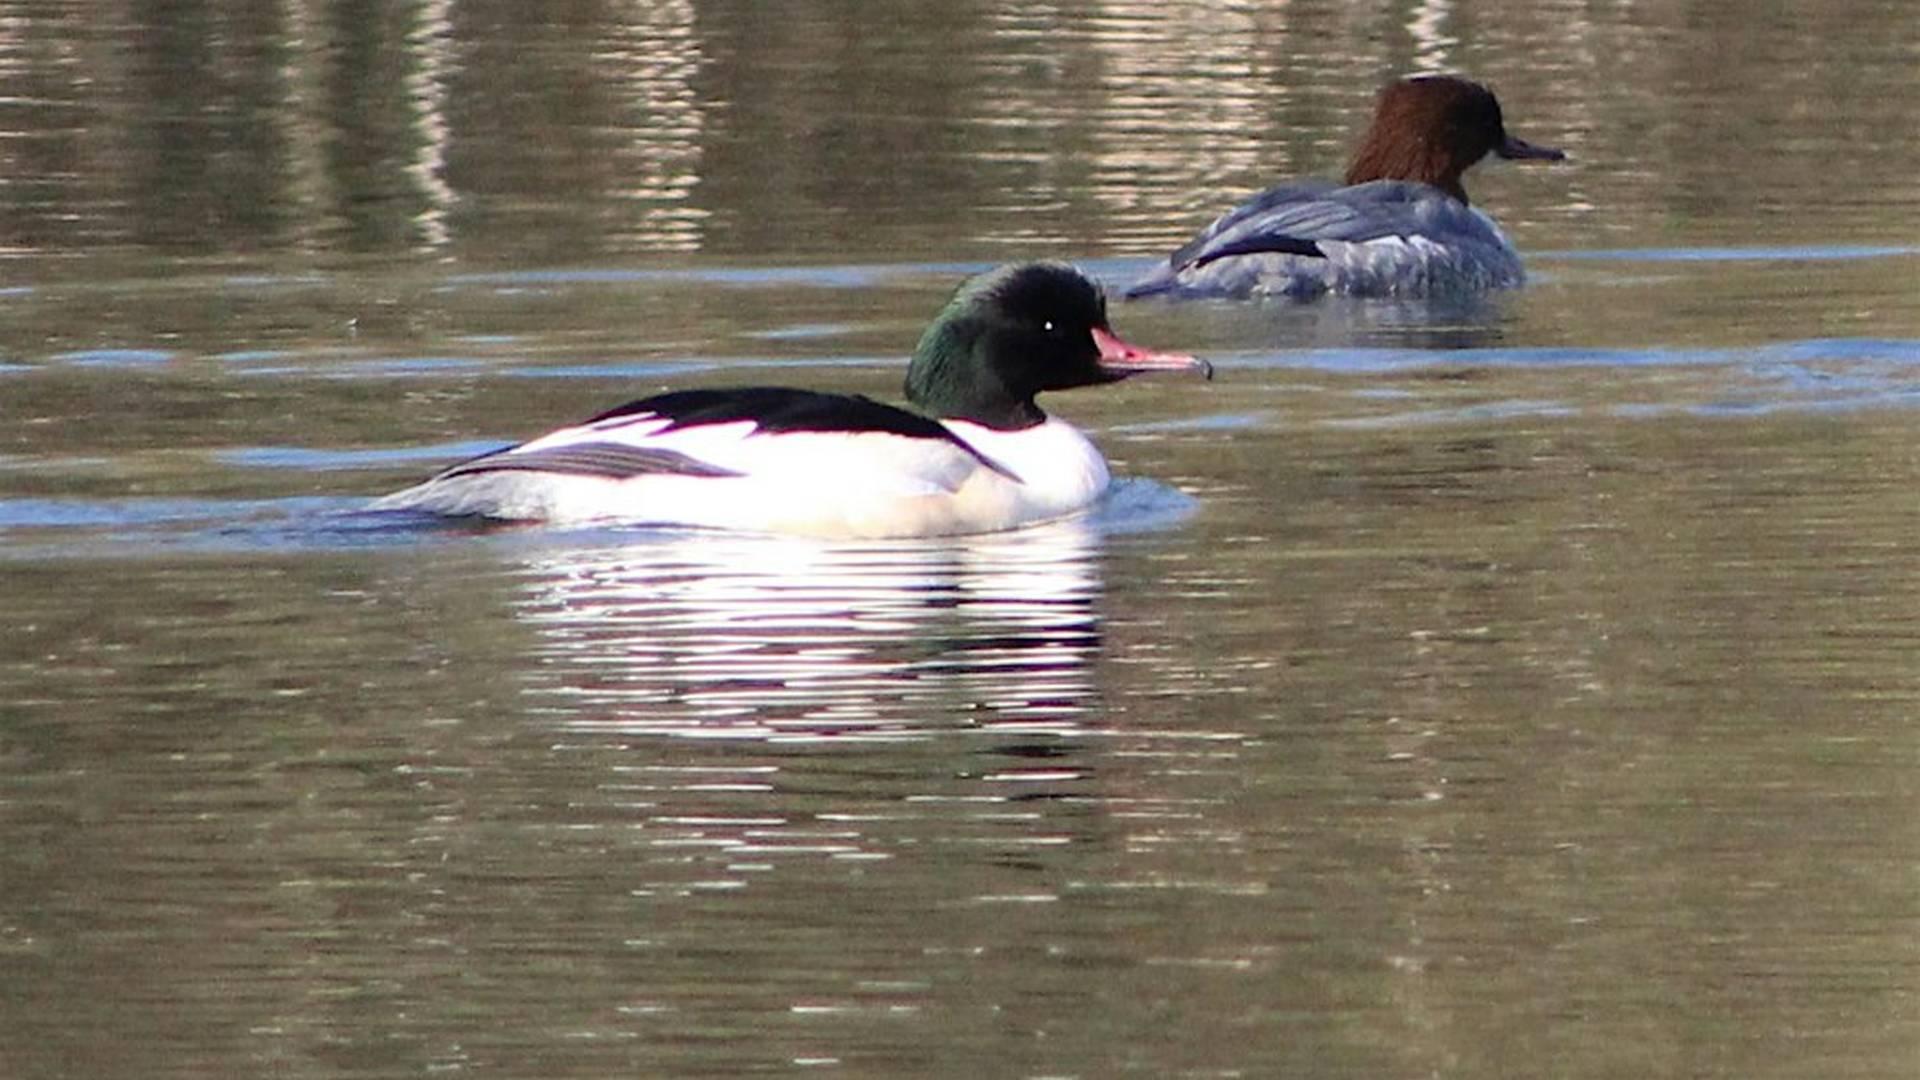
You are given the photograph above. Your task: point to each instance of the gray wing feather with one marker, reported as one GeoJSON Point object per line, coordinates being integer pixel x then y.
{"type": "Point", "coordinates": [614, 461]}
{"type": "Point", "coordinates": [1285, 217]}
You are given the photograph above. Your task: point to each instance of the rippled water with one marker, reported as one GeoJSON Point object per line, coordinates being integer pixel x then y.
{"type": "Point", "coordinates": [1520, 686]}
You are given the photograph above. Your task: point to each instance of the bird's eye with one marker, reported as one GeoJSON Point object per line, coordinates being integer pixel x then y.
{"type": "Point", "coordinates": [1047, 326]}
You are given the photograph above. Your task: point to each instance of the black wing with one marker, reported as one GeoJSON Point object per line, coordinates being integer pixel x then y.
{"type": "Point", "coordinates": [775, 409]}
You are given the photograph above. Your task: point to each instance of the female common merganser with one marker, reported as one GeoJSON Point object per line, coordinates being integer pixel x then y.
{"type": "Point", "coordinates": [1401, 226]}
{"type": "Point", "coordinates": [979, 457]}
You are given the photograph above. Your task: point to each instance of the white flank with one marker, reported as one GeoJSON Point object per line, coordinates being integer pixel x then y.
{"type": "Point", "coordinates": [840, 484]}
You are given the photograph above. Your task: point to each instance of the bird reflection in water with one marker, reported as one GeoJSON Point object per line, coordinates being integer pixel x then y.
{"type": "Point", "coordinates": [770, 638]}
{"type": "Point", "coordinates": [695, 678]}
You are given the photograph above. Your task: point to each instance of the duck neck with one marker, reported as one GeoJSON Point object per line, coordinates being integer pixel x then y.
{"type": "Point", "coordinates": [1017, 416]}
{"type": "Point", "coordinates": [1424, 160]}
{"type": "Point", "coordinates": [948, 381]}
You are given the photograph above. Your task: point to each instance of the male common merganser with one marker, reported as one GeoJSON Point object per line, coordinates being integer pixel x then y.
{"type": "Point", "coordinates": [980, 456]}
{"type": "Point", "coordinates": [1401, 227]}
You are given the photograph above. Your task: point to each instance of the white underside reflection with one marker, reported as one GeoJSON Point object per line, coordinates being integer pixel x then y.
{"type": "Point", "coordinates": [768, 638]}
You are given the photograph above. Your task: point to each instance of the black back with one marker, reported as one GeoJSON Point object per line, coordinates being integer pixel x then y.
{"type": "Point", "coordinates": [775, 409]}
{"type": "Point", "coordinates": [771, 409]}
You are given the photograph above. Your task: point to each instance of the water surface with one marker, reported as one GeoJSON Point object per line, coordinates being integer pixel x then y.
{"type": "Point", "coordinates": [1519, 686]}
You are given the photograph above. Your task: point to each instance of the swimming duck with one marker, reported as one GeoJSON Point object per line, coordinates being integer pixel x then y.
{"type": "Point", "coordinates": [1401, 225]}
{"type": "Point", "coordinates": [978, 456]}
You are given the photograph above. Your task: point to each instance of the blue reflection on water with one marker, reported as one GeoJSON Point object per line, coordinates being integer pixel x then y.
{"type": "Point", "coordinates": [1813, 253]}
{"type": "Point", "coordinates": [114, 358]}
{"type": "Point", "coordinates": [296, 457]}
{"type": "Point", "coordinates": [1878, 350]}
{"type": "Point", "coordinates": [43, 528]}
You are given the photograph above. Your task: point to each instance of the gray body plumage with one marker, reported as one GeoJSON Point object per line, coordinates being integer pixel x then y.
{"type": "Point", "coordinates": [1381, 238]}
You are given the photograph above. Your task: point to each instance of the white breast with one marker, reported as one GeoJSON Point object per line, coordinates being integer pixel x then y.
{"type": "Point", "coordinates": [1060, 469]}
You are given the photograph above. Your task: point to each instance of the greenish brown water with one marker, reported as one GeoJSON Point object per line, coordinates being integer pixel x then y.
{"type": "Point", "coordinates": [1518, 688]}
